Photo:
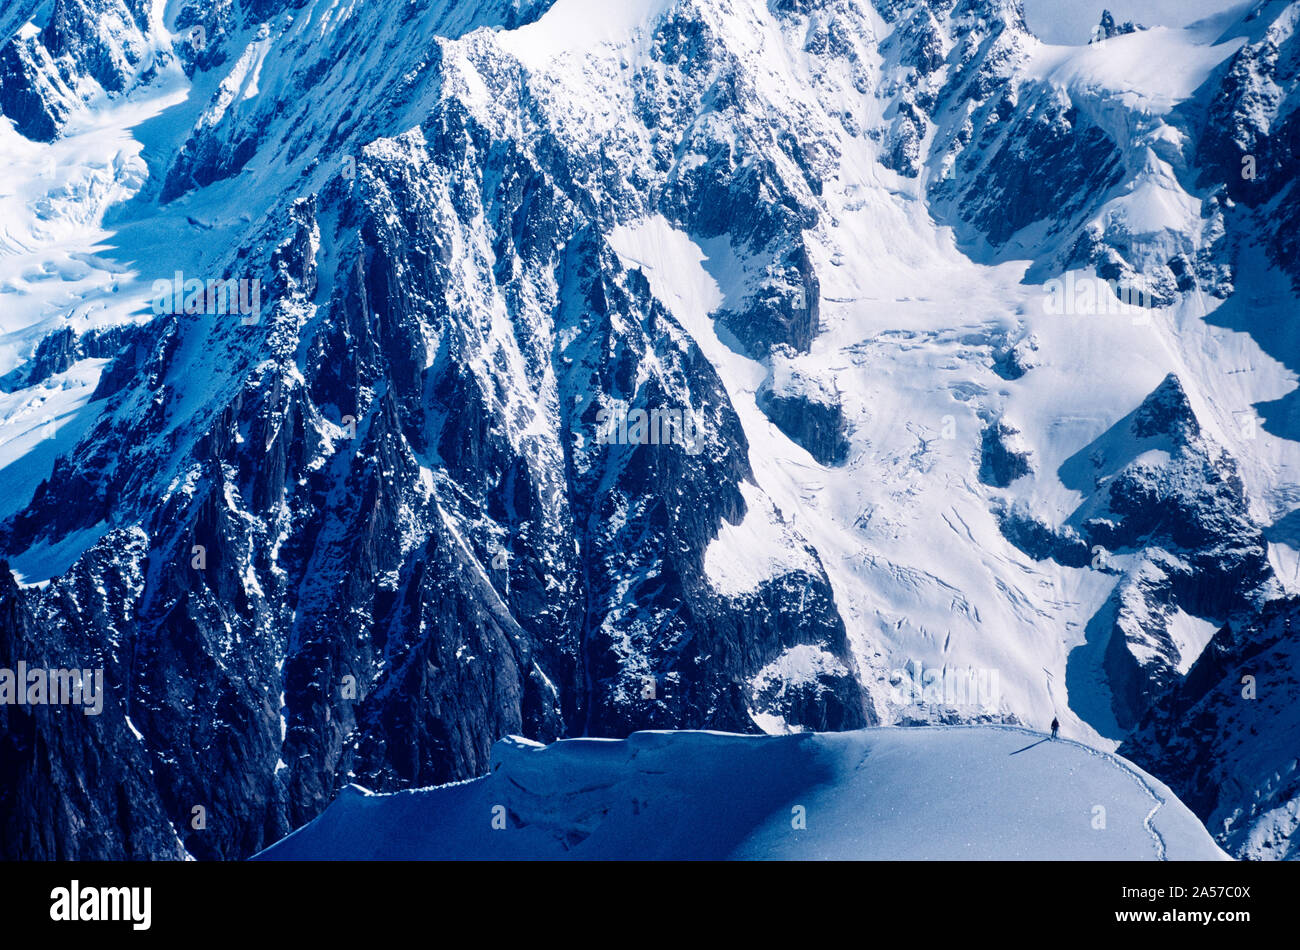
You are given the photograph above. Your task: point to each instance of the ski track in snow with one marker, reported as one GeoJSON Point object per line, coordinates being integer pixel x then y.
{"type": "Point", "coordinates": [1157, 840]}
{"type": "Point", "coordinates": [883, 794]}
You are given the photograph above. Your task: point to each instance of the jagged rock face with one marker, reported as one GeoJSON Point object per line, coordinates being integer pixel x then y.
{"type": "Point", "coordinates": [1250, 140]}
{"type": "Point", "coordinates": [804, 408]}
{"type": "Point", "coordinates": [366, 533]}
{"type": "Point", "coordinates": [1248, 118]}
{"type": "Point", "coordinates": [64, 348]}
{"type": "Point", "coordinates": [1108, 27]}
{"type": "Point", "coordinates": [1002, 191]}
{"type": "Point", "coordinates": [85, 46]}
{"type": "Point", "coordinates": [1041, 541]}
{"type": "Point", "coordinates": [27, 93]}
{"type": "Point", "coordinates": [996, 126]}
{"type": "Point", "coordinates": [99, 37]}
{"type": "Point", "coordinates": [1232, 723]}
{"type": "Point", "coordinates": [1002, 460]}
{"type": "Point", "coordinates": [76, 785]}
{"type": "Point", "coordinates": [1164, 507]}
{"type": "Point", "coordinates": [1179, 490]}
{"type": "Point", "coordinates": [395, 536]}
{"type": "Point", "coordinates": [1011, 360]}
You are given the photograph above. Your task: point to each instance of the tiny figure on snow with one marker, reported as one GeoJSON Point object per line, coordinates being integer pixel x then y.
{"type": "Point", "coordinates": [1056, 726]}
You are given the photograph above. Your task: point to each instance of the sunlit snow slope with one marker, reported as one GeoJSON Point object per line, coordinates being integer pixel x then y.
{"type": "Point", "coordinates": [928, 793]}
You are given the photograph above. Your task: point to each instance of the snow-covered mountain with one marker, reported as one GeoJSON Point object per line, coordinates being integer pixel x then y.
{"type": "Point", "coordinates": [984, 792]}
{"type": "Point", "coordinates": [746, 365]}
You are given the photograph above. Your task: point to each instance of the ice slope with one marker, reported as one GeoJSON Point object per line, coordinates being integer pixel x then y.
{"type": "Point", "coordinates": [578, 28]}
{"type": "Point", "coordinates": [977, 792]}
{"type": "Point", "coordinates": [62, 266]}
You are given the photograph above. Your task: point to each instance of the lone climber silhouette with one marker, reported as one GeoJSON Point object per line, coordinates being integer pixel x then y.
{"type": "Point", "coordinates": [1056, 726]}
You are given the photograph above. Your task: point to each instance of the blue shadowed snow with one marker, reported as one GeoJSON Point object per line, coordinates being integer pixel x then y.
{"type": "Point", "coordinates": [978, 792]}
